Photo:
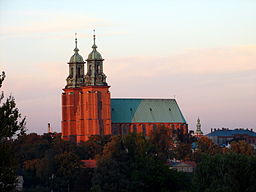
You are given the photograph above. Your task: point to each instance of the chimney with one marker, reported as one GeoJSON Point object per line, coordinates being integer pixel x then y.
{"type": "Point", "coordinates": [211, 130]}
{"type": "Point", "coordinates": [251, 130]}
{"type": "Point", "coordinates": [49, 128]}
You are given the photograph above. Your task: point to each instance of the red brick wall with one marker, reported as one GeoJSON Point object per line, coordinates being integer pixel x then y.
{"type": "Point", "coordinates": [85, 112]}
{"type": "Point", "coordinates": [146, 128]}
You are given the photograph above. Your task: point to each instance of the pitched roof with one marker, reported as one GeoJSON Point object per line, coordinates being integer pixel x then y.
{"type": "Point", "coordinates": [91, 163]}
{"type": "Point", "coordinates": [232, 132]}
{"type": "Point", "coordinates": [146, 111]}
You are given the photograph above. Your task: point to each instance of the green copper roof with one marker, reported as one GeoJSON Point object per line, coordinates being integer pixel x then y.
{"type": "Point", "coordinates": [94, 55]}
{"type": "Point", "coordinates": [146, 110]}
{"type": "Point", "coordinates": [76, 58]}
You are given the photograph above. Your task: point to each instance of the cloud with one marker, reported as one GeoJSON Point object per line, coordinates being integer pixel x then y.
{"type": "Point", "coordinates": [42, 22]}
{"type": "Point", "coordinates": [200, 61]}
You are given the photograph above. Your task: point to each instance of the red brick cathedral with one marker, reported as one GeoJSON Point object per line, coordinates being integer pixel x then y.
{"type": "Point", "coordinates": [87, 108]}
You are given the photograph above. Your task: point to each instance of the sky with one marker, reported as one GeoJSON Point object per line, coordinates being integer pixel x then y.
{"type": "Point", "coordinates": [201, 52]}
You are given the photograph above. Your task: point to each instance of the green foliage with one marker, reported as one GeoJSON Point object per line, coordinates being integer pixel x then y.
{"type": "Point", "coordinates": [131, 164]}
{"type": "Point", "coordinates": [11, 125]}
{"type": "Point", "coordinates": [164, 143]}
{"type": "Point", "coordinates": [226, 172]}
{"type": "Point", "coordinates": [242, 147]}
{"type": "Point", "coordinates": [95, 145]}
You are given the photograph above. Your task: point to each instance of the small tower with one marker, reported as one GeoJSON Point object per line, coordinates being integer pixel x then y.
{"type": "Point", "coordinates": [95, 75]}
{"type": "Point", "coordinates": [49, 128]}
{"type": "Point", "coordinates": [198, 132]}
{"type": "Point", "coordinates": [76, 69]}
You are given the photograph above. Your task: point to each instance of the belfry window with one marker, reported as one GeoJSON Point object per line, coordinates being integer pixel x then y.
{"type": "Point", "coordinates": [79, 71]}
{"type": "Point", "coordinates": [71, 72]}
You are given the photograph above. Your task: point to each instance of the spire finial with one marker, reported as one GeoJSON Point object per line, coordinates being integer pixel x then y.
{"type": "Point", "coordinates": [76, 49]}
{"type": "Point", "coordinates": [94, 37]}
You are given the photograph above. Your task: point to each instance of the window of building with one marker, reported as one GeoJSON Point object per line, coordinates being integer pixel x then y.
{"type": "Point", "coordinates": [143, 130]}
{"type": "Point", "coordinates": [134, 129]}
{"type": "Point", "coordinates": [71, 72]}
{"type": "Point", "coordinates": [78, 71]}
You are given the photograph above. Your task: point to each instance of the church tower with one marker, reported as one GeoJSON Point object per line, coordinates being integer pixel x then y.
{"type": "Point", "coordinates": [86, 98]}
{"type": "Point", "coordinates": [198, 132]}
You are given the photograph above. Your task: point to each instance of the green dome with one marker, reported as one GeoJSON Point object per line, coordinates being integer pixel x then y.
{"type": "Point", "coordinates": [94, 55]}
{"type": "Point", "coordinates": [76, 58]}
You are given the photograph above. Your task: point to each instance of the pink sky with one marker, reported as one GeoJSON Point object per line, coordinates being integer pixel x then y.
{"type": "Point", "coordinates": [205, 57]}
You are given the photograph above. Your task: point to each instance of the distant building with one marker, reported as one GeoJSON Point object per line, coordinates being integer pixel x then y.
{"type": "Point", "coordinates": [183, 166]}
{"type": "Point", "coordinates": [225, 136]}
{"type": "Point", "coordinates": [198, 132]}
{"type": "Point", "coordinates": [91, 163]}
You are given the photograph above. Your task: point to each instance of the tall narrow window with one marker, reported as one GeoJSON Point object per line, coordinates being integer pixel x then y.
{"type": "Point", "coordinates": [78, 71]}
{"type": "Point", "coordinates": [134, 129]}
{"type": "Point", "coordinates": [71, 72]}
{"type": "Point", "coordinates": [143, 130]}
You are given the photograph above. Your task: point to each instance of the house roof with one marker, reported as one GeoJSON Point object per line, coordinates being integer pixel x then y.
{"type": "Point", "coordinates": [146, 111]}
{"type": "Point", "coordinates": [232, 132]}
{"type": "Point", "coordinates": [183, 164]}
{"type": "Point", "coordinates": [91, 163]}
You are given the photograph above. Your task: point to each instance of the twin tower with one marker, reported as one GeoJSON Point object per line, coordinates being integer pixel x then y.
{"type": "Point", "coordinates": [86, 107]}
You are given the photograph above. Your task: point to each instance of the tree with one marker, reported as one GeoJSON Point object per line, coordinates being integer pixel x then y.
{"type": "Point", "coordinates": [66, 167]}
{"type": "Point", "coordinates": [229, 172]}
{"type": "Point", "coordinates": [130, 163]}
{"type": "Point", "coordinates": [242, 147]}
{"type": "Point", "coordinates": [163, 142]}
{"type": "Point", "coordinates": [95, 145]}
{"type": "Point", "coordinates": [183, 151]}
{"type": "Point", "coordinates": [206, 146]}
{"type": "Point", "coordinates": [11, 125]}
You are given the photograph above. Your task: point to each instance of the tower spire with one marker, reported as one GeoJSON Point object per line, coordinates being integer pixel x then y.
{"type": "Point", "coordinates": [76, 69]}
{"type": "Point", "coordinates": [94, 46]}
{"type": "Point", "coordinates": [198, 128]}
{"type": "Point", "coordinates": [76, 49]}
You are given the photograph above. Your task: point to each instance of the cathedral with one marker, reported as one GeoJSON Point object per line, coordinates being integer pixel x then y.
{"type": "Point", "coordinates": [87, 107]}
